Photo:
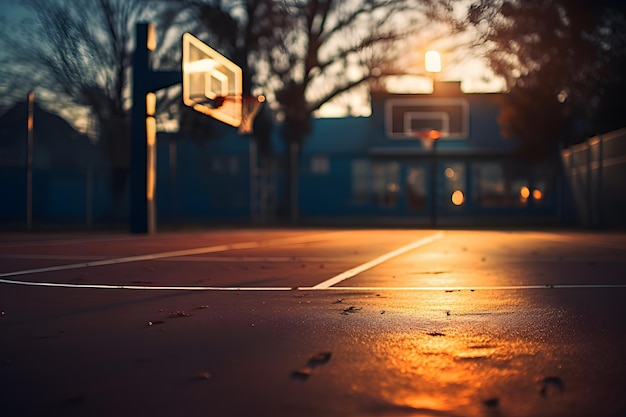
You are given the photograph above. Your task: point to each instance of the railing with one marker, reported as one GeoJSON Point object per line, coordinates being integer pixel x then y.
{"type": "Point", "coordinates": [596, 170]}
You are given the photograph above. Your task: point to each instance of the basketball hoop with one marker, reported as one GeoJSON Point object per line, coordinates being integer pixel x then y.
{"type": "Point", "coordinates": [250, 106]}
{"type": "Point", "coordinates": [428, 137]}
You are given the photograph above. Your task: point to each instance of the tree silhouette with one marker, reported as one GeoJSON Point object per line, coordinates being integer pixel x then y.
{"type": "Point", "coordinates": [78, 55]}
{"type": "Point", "coordinates": [329, 48]}
{"type": "Point", "coordinates": [564, 65]}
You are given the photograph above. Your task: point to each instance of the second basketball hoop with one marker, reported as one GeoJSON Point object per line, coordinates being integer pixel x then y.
{"type": "Point", "coordinates": [428, 137]}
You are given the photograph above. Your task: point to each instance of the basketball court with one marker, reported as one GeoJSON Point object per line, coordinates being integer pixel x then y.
{"type": "Point", "coordinates": [313, 322]}
{"type": "Point", "coordinates": [307, 322]}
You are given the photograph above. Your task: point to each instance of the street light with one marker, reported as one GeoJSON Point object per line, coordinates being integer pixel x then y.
{"type": "Point", "coordinates": [433, 61]}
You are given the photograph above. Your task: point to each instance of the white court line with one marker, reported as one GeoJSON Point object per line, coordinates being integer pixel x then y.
{"type": "Point", "coordinates": [170, 254]}
{"type": "Point", "coordinates": [353, 289]}
{"type": "Point", "coordinates": [377, 261]}
{"type": "Point", "coordinates": [140, 287]}
{"type": "Point", "coordinates": [477, 288]}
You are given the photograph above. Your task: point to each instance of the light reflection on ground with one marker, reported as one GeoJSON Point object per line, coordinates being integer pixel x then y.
{"type": "Point", "coordinates": [464, 353]}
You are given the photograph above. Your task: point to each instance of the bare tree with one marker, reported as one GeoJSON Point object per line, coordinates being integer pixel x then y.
{"type": "Point", "coordinates": [78, 56]}
{"type": "Point", "coordinates": [332, 47]}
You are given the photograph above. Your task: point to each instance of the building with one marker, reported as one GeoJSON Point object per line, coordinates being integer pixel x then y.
{"type": "Point", "coordinates": [378, 170]}
{"type": "Point", "coordinates": [371, 171]}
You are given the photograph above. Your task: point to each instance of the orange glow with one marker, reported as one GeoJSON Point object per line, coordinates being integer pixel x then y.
{"type": "Point", "coordinates": [151, 141]}
{"type": "Point", "coordinates": [537, 194]}
{"type": "Point", "coordinates": [458, 198]}
{"type": "Point", "coordinates": [524, 192]}
{"type": "Point", "coordinates": [151, 41]}
{"type": "Point", "coordinates": [432, 134]}
{"type": "Point", "coordinates": [150, 104]}
{"type": "Point", "coordinates": [444, 371]}
{"type": "Point", "coordinates": [449, 172]}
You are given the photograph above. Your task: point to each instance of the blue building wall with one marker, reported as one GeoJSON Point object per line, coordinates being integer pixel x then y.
{"type": "Point", "coordinates": [351, 171]}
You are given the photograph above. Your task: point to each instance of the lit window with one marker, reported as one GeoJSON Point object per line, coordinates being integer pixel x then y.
{"type": "Point", "coordinates": [524, 192]}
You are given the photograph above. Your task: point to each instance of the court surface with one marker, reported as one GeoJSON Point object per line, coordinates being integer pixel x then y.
{"type": "Point", "coordinates": [313, 322]}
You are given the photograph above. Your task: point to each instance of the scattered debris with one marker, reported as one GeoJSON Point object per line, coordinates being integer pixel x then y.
{"type": "Point", "coordinates": [435, 334]}
{"type": "Point", "coordinates": [551, 385]}
{"type": "Point", "coordinates": [179, 313]}
{"type": "Point", "coordinates": [320, 359]}
{"type": "Point", "coordinates": [338, 301]}
{"type": "Point", "coordinates": [492, 402]}
{"type": "Point", "coordinates": [152, 323]}
{"type": "Point", "coordinates": [304, 373]}
{"type": "Point", "coordinates": [202, 307]}
{"type": "Point", "coordinates": [447, 312]}
{"type": "Point", "coordinates": [200, 376]}
{"type": "Point", "coordinates": [382, 312]}
{"type": "Point", "coordinates": [351, 309]}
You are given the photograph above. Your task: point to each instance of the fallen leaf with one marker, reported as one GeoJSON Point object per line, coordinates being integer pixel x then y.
{"type": "Point", "coordinates": [551, 385]}
{"type": "Point", "coordinates": [492, 402]}
{"type": "Point", "coordinates": [351, 309]}
{"type": "Point", "coordinates": [200, 376]}
{"type": "Point", "coordinates": [301, 374]}
{"type": "Point", "coordinates": [320, 359]}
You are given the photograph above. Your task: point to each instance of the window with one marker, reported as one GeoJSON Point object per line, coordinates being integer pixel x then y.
{"type": "Point", "coordinates": [455, 178]}
{"type": "Point", "coordinates": [416, 187]}
{"type": "Point", "coordinates": [360, 180]}
{"type": "Point", "coordinates": [319, 165]}
{"type": "Point", "coordinates": [490, 187]}
{"type": "Point", "coordinates": [385, 181]}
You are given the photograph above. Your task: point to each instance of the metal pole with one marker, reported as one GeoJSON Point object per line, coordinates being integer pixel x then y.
{"type": "Point", "coordinates": [294, 157]}
{"type": "Point", "coordinates": [29, 159]}
{"type": "Point", "coordinates": [143, 130]}
{"type": "Point", "coordinates": [433, 202]}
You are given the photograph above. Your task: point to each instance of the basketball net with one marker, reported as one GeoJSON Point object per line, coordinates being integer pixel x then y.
{"type": "Point", "coordinates": [428, 137]}
{"type": "Point", "coordinates": [250, 106]}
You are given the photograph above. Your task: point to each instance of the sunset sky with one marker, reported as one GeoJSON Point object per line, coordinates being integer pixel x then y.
{"type": "Point", "coordinates": [474, 75]}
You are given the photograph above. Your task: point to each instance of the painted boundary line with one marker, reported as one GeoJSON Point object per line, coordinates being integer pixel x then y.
{"type": "Point", "coordinates": [170, 254]}
{"type": "Point", "coordinates": [477, 288]}
{"type": "Point", "coordinates": [140, 287]}
{"type": "Point", "coordinates": [341, 289]}
{"type": "Point", "coordinates": [377, 261]}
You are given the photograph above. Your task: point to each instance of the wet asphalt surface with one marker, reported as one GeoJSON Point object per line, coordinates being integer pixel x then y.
{"type": "Point", "coordinates": [313, 323]}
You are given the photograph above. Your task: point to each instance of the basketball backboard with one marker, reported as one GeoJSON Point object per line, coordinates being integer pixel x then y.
{"type": "Point", "coordinates": [212, 84]}
{"type": "Point", "coordinates": [406, 116]}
